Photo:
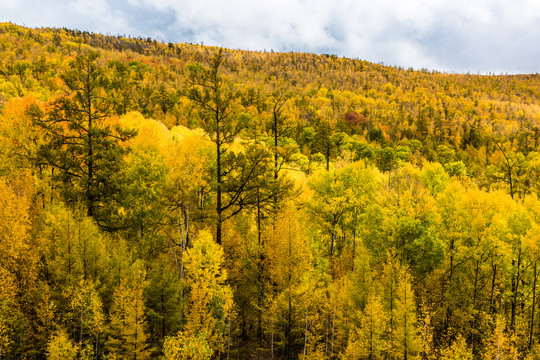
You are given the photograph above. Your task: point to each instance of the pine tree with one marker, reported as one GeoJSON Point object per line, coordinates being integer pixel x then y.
{"type": "Point", "coordinates": [82, 146]}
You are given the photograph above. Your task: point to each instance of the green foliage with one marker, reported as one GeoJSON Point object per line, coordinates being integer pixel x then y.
{"type": "Point", "coordinates": [82, 144]}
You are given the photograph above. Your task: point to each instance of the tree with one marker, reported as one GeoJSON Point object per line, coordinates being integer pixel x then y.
{"type": "Point", "coordinates": [280, 127]}
{"type": "Point", "coordinates": [127, 328]}
{"type": "Point", "coordinates": [366, 341]}
{"type": "Point", "coordinates": [331, 202]}
{"type": "Point", "coordinates": [500, 345]}
{"type": "Point", "coordinates": [164, 301]}
{"type": "Point", "coordinates": [86, 311]}
{"type": "Point", "coordinates": [398, 302]}
{"type": "Point", "coordinates": [210, 300]}
{"type": "Point", "coordinates": [287, 260]}
{"type": "Point", "coordinates": [190, 348]}
{"type": "Point", "coordinates": [82, 147]}
{"type": "Point", "coordinates": [8, 309]}
{"type": "Point", "coordinates": [60, 347]}
{"type": "Point", "coordinates": [406, 337]}
{"type": "Point", "coordinates": [71, 247]}
{"type": "Point", "coordinates": [214, 95]}
{"type": "Point", "coordinates": [458, 350]}
{"type": "Point", "coordinates": [341, 197]}
{"type": "Point", "coordinates": [18, 270]}
{"type": "Point", "coordinates": [511, 170]}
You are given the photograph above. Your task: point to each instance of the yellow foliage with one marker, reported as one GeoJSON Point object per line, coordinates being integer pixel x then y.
{"type": "Point", "coordinates": [186, 347]}
{"type": "Point", "coordinates": [500, 345]}
{"type": "Point", "coordinates": [181, 132]}
{"type": "Point", "coordinates": [209, 294]}
{"type": "Point", "coordinates": [14, 226]}
{"type": "Point", "coordinates": [127, 328]}
{"type": "Point", "coordinates": [60, 347]}
{"type": "Point", "coordinates": [459, 350]}
{"type": "Point", "coordinates": [8, 292]}
{"type": "Point", "coordinates": [150, 133]}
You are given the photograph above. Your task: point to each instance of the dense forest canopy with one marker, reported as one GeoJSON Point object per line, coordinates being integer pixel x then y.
{"type": "Point", "coordinates": [180, 201]}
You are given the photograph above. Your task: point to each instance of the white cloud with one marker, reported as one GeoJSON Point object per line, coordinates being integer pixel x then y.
{"type": "Point", "coordinates": [457, 35]}
{"type": "Point", "coordinates": [94, 15]}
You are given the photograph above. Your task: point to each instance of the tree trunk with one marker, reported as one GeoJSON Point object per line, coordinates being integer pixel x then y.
{"type": "Point", "coordinates": [89, 193]}
{"type": "Point", "coordinates": [306, 334]}
{"type": "Point", "coordinates": [515, 288]}
{"type": "Point", "coordinates": [260, 291]}
{"type": "Point", "coordinates": [475, 295]}
{"type": "Point", "coordinates": [219, 181]}
{"type": "Point", "coordinates": [492, 295]}
{"type": "Point", "coordinates": [532, 308]}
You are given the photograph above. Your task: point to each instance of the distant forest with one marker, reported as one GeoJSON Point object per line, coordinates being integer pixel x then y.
{"type": "Point", "coordinates": [180, 201]}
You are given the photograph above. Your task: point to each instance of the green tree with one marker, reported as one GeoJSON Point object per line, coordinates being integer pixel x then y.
{"type": "Point", "coordinates": [83, 145]}
{"type": "Point", "coordinates": [214, 96]}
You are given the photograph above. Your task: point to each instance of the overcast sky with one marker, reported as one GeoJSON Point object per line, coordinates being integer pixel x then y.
{"type": "Point", "coordinates": [501, 36]}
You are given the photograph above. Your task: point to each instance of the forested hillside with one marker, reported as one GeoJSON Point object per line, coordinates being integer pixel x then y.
{"type": "Point", "coordinates": [178, 201]}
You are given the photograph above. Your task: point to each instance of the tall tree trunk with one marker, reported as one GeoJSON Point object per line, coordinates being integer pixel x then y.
{"type": "Point", "coordinates": [515, 288]}
{"type": "Point", "coordinates": [475, 296]}
{"type": "Point", "coordinates": [493, 282]}
{"type": "Point", "coordinates": [219, 181]}
{"type": "Point", "coordinates": [260, 291]}
{"type": "Point", "coordinates": [90, 169]}
{"type": "Point", "coordinates": [289, 311]}
{"type": "Point", "coordinates": [306, 333]}
{"type": "Point", "coordinates": [532, 308]}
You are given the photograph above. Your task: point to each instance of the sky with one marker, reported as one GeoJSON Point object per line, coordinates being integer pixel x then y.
{"type": "Point", "coordinates": [476, 36]}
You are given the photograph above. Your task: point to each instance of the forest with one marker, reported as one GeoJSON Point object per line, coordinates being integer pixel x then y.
{"type": "Point", "coordinates": [180, 201]}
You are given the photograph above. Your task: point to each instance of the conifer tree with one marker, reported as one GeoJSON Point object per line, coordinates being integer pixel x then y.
{"type": "Point", "coordinates": [60, 347]}
{"type": "Point", "coordinates": [214, 95]}
{"type": "Point", "coordinates": [82, 145]}
{"type": "Point", "coordinates": [127, 328]}
{"type": "Point", "coordinates": [210, 299]}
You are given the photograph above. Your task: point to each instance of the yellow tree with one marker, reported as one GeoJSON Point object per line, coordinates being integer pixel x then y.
{"type": "Point", "coordinates": [398, 302]}
{"type": "Point", "coordinates": [367, 341]}
{"type": "Point", "coordinates": [60, 347]}
{"type": "Point", "coordinates": [458, 350]}
{"type": "Point", "coordinates": [127, 336]}
{"type": "Point", "coordinates": [86, 311]}
{"type": "Point", "coordinates": [8, 308]}
{"type": "Point", "coordinates": [185, 347]}
{"type": "Point", "coordinates": [18, 268]}
{"type": "Point", "coordinates": [288, 258]}
{"type": "Point", "coordinates": [500, 345]}
{"type": "Point", "coordinates": [210, 301]}
{"type": "Point", "coordinates": [406, 336]}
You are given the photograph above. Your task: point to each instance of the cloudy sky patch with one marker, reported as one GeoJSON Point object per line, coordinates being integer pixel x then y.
{"type": "Point", "coordinates": [449, 35]}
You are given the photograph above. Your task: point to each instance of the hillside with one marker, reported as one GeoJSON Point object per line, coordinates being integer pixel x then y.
{"type": "Point", "coordinates": [182, 201]}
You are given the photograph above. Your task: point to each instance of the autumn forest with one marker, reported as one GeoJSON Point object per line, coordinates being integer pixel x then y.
{"type": "Point", "coordinates": [180, 201]}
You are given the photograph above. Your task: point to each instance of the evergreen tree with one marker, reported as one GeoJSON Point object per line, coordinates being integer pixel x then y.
{"type": "Point", "coordinates": [83, 145]}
